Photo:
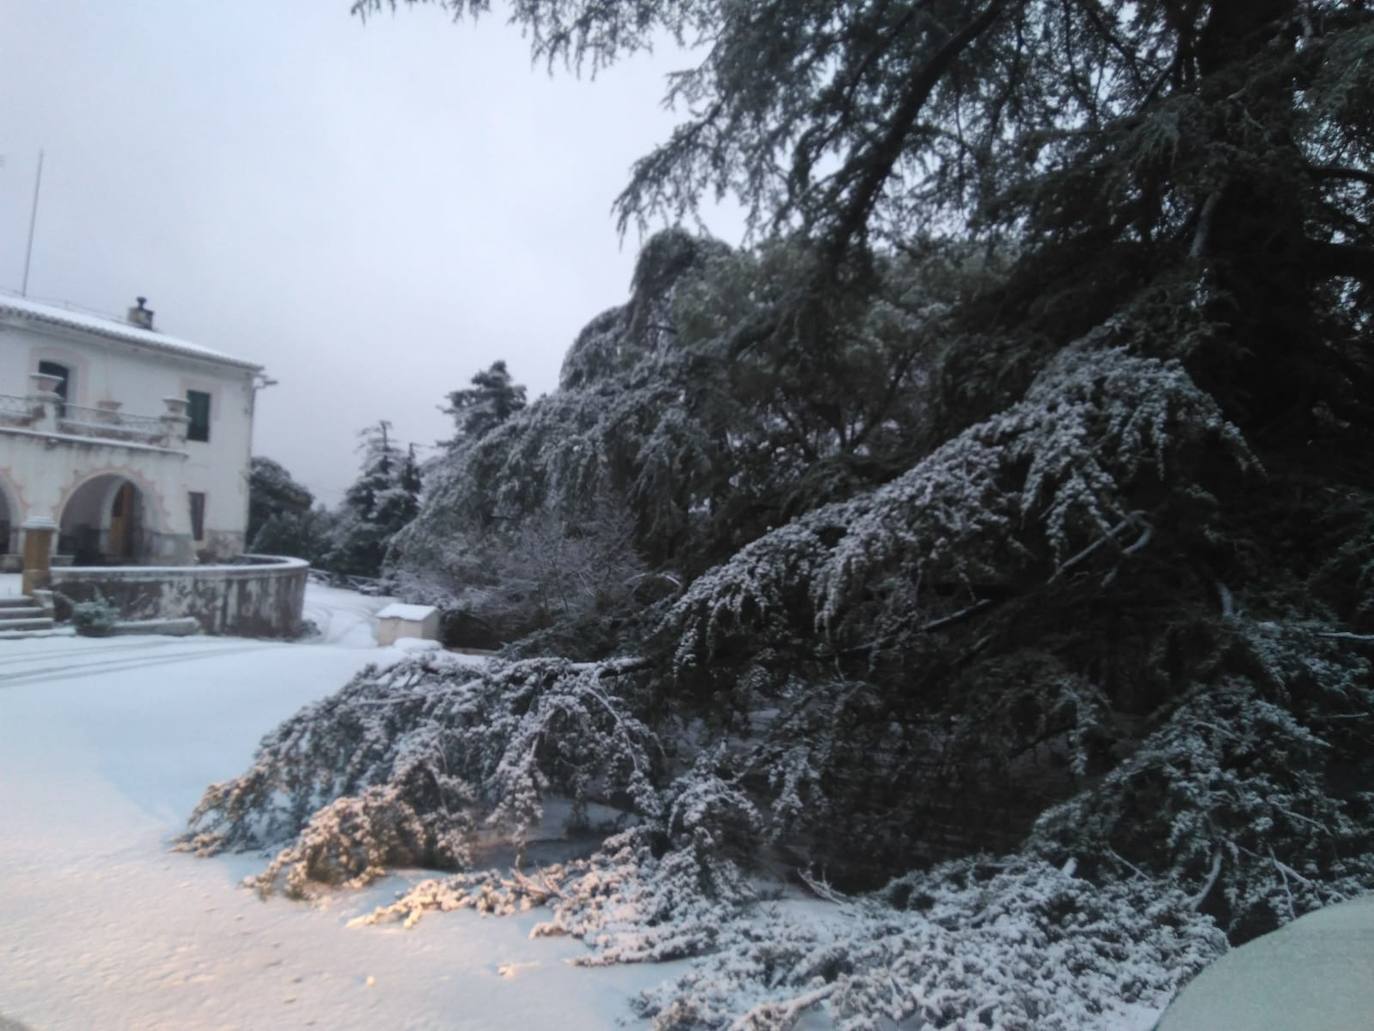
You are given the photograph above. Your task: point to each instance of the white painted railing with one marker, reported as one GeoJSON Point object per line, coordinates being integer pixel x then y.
{"type": "Point", "coordinates": [109, 424]}
{"type": "Point", "coordinates": [15, 411]}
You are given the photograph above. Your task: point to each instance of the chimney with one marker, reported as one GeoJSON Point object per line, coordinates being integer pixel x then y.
{"type": "Point", "coordinates": [141, 316]}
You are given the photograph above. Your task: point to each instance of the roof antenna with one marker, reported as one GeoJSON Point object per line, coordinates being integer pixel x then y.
{"type": "Point", "coordinates": [33, 217]}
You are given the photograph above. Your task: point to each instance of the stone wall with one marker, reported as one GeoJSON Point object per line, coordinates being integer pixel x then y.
{"type": "Point", "coordinates": [260, 596]}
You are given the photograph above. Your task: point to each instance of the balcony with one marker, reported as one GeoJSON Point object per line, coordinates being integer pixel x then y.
{"type": "Point", "coordinates": [45, 412]}
{"type": "Point", "coordinates": [108, 423]}
{"type": "Point", "coordinates": [15, 411]}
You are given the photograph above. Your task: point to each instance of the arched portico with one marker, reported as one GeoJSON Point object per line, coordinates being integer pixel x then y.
{"type": "Point", "coordinates": [105, 521]}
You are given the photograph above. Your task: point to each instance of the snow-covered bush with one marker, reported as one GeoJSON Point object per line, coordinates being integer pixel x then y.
{"type": "Point", "coordinates": [94, 618]}
{"type": "Point", "coordinates": [406, 765]}
{"type": "Point", "coordinates": [1243, 795]}
{"type": "Point", "coordinates": [1010, 943]}
{"type": "Point", "coordinates": [646, 895]}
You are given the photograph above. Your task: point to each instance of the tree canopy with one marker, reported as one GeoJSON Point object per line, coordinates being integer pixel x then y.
{"type": "Point", "coordinates": [492, 399]}
{"type": "Point", "coordinates": [272, 492]}
{"type": "Point", "coordinates": [1111, 146]}
{"type": "Point", "coordinates": [378, 504]}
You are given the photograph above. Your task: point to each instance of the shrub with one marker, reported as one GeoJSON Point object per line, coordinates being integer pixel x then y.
{"type": "Point", "coordinates": [95, 618]}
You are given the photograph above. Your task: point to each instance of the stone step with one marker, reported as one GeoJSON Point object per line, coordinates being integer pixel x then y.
{"type": "Point", "coordinates": [15, 601]}
{"type": "Point", "coordinates": [10, 612]}
{"type": "Point", "coordinates": [25, 624]}
{"type": "Point", "coordinates": [21, 635]}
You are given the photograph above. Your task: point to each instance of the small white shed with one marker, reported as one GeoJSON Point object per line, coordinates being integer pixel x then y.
{"type": "Point", "coordinates": [397, 621]}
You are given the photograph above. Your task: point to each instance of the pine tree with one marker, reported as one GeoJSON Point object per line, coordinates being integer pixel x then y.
{"type": "Point", "coordinates": [272, 492]}
{"type": "Point", "coordinates": [491, 400]}
{"type": "Point", "coordinates": [281, 520]}
{"type": "Point", "coordinates": [380, 502]}
{"type": "Point", "coordinates": [380, 464]}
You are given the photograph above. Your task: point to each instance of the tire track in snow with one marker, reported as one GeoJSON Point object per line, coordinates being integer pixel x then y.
{"type": "Point", "coordinates": [76, 653]}
{"type": "Point", "coordinates": [80, 671]}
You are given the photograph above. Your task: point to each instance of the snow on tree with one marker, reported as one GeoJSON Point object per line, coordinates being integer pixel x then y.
{"type": "Point", "coordinates": [1040, 488]}
{"type": "Point", "coordinates": [404, 765]}
{"type": "Point", "coordinates": [1010, 943]}
{"type": "Point", "coordinates": [281, 520]}
{"type": "Point", "coordinates": [914, 672]}
{"type": "Point", "coordinates": [380, 502]}
{"type": "Point", "coordinates": [492, 399]}
{"type": "Point", "coordinates": [1005, 506]}
{"type": "Point", "coordinates": [705, 449]}
{"type": "Point", "coordinates": [1017, 939]}
{"type": "Point", "coordinates": [271, 492]}
{"type": "Point", "coordinates": [1236, 795]}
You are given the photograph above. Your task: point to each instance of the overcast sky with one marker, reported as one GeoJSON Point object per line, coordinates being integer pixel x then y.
{"type": "Point", "coordinates": [372, 211]}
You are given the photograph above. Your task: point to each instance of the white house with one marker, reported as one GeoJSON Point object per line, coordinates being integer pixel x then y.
{"type": "Point", "coordinates": [135, 445]}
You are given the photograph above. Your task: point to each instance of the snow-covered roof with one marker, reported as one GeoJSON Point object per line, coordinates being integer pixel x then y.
{"type": "Point", "coordinates": [396, 610]}
{"type": "Point", "coordinates": [113, 328]}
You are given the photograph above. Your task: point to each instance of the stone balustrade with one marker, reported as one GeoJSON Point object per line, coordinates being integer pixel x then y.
{"type": "Point", "coordinates": [43, 410]}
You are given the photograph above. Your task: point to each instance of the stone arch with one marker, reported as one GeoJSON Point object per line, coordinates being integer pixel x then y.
{"type": "Point", "coordinates": [107, 518]}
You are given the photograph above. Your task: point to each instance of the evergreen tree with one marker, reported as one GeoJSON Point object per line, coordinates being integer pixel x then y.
{"type": "Point", "coordinates": [491, 400]}
{"type": "Point", "coordinates": [379, 471]}
{"type": "Point", "coordinates": [410, 478]}
{"type": "Point", "coordinates": [272, 492]}
{"type": "Point", "coordinates": [380, 502]}
{"type": "Point", "coordinates": [281, 520]}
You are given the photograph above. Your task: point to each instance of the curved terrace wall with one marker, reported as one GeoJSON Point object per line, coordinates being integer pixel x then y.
{"type": "Point", "coordinates": [259, 596]}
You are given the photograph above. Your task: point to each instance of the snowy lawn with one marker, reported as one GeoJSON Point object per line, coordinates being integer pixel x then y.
{"type": "Point", "coordinates": [105, 747]}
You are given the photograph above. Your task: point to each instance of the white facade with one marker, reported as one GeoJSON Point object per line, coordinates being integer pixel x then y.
{"type": "Point", "coordinates": [95, 436]}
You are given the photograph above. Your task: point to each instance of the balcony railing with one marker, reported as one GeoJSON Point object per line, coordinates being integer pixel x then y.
{"type": "Point", "coordinates": [16, 411]}
{"type": "Point", "coordinates": [108, 424]}
{"type": "Point", "coordinates": [46, 412]}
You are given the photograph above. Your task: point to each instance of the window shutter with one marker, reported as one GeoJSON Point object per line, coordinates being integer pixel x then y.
{"type": "Point", "coordinates": [198, 409]}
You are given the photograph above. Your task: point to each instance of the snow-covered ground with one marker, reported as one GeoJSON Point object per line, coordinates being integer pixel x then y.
{"type": "Point", "coordinates": [105, 746]}
{"type": "Point", "coordinates": [343, 618]}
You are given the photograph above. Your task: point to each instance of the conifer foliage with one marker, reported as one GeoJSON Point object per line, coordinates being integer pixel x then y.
{"type": "Point", "coordinates": [491, 400]}
{"type": "Point", "coordinates": [999, 527]}
{"type": "Point", "coordinates": [281, 519]}
{"type": "Point", "coordinates": [380, 502]}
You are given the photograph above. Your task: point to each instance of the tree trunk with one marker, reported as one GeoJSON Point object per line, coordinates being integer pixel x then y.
{"type": "Point", "coordinates": [1252, 237]}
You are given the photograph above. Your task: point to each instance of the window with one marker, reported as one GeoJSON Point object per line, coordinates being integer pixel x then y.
{"type": "Point", "coordinates": [197, 514]}
{"type": "Point", "coordinates": [63, 388]}
{"type": "Point", "coordinates": [198, 408]}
